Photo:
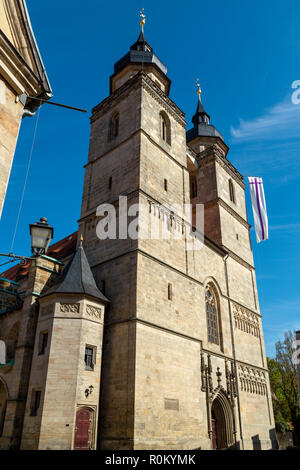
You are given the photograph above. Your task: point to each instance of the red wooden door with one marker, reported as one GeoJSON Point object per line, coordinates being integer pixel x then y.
{"type": "Point", "coordinates": [82, 439]}
{"type": "Point", "coordinates": [214, 434]}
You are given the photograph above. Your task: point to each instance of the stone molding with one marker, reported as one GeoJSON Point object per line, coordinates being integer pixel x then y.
{"type": "Point", "coordinates": [229, 209]}
{"type": "Point", "coordinates": [94, 311]}
{"type": "Point", "coordinates": [252, 380]}
{"type": "Point", "coordinates": [69, 308]}
{"type": "Point", "coordinates": [245, 320]}
{"type": "Point", "coordinates": [15, 70]}
{"type": "Point", "coordinates": [143, 80]}
{"type": "Point", "coordinates": [163, 100]}
{"type": "Point", "coordinates": [213, 153]}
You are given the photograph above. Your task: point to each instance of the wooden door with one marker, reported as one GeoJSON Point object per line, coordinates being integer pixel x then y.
{"type": "Point", "coordinates": [82, 440]}
{"type": "Point", "coordinates": [214, 434]}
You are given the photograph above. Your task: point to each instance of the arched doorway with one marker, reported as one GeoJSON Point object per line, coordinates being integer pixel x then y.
{"type": "Point", "coordinates": [3, 401]}
{"type": "Point", "coordinates": [83, 438]}
{"type": "Point", "coordinates": [222, 422]}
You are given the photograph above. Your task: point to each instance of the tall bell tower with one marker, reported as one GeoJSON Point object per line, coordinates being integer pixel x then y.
{"type": "Point", "coordinates": [137, 150]}
{"type": "Point", "coordinates": [157, 335]}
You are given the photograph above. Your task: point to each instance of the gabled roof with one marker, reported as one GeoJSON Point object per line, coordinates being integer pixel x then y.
{"type": "Point", "coordinates": [77, 278]}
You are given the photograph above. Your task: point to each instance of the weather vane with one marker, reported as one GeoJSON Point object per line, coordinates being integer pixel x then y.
{"type": "Point", "coordinates": [199, 91]}
{"type": "Point", "coordinates": [143, 19]}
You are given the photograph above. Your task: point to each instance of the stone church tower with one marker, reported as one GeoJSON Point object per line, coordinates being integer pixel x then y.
{"type": "Point", "coordinates": [182, 362]}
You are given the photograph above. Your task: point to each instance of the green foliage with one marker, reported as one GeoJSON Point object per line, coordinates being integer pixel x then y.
{"type": "Point", "coordinates": [283, 379]}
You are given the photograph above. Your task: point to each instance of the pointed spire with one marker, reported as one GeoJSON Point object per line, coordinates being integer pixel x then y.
{"type": "Point", "coordinates": [141, 44]}
{"type": "Point", "coordinates": [78, 278]}
{"type": "Point", "coordinates": [201, 121]}
{"type": "Point", "coordinates": [201, 115]}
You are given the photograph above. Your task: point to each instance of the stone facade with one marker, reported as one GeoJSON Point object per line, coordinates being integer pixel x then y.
{"type": "Point", "coordinates": [183, 363]}
{"type": "Point", "coordinates": [21, 72]}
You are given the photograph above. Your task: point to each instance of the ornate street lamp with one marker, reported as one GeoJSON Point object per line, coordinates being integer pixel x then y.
{"type": "Point", "coordinates": [41, 234]}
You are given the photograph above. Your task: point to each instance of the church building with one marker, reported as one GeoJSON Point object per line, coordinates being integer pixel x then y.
{"type": "Point", "coordinates": [136, 342]}
{"type": "Point", "coordinates": [23, 81]}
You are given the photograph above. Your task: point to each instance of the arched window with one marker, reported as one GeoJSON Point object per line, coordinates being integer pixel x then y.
{"type": "Point", "coordinates": [231, 191]}
{"type": "Point", "coordinates": [165, 127]}
{"type": "Point", "coordinates": [113, 129]}
{"type": "Point", "coordinates": [212, 316]}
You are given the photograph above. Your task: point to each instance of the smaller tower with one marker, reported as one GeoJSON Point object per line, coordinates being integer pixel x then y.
{"type": "Point", "coordinates": [63, 396]}
{"type": "Point", "coordinates": [219, 186]}
{"type": "Point", "coordinates": [204, 134]}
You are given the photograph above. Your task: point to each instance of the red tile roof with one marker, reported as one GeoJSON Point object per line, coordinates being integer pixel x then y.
{"type": "Point", "coordinates": [59, 250]}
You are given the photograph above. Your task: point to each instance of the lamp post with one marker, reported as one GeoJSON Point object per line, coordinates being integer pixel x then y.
{"type": "Point", "coordinates": [41, 235]}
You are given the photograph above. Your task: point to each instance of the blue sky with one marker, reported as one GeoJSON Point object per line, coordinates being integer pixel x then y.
{"type": "Point", "coordinates": [246, 55]}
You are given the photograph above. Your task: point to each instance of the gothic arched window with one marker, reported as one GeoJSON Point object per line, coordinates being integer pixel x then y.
{"type": "Point", "coordinates": [212, 316]}
{"type": "Point", "coordinates": [231, 191]}
{"type": "Point", "coordinates": [113, 129]}
{"type": "Point", "coordinates": [165, 127]}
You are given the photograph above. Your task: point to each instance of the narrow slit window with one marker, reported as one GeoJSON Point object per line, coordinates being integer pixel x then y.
{"type": "Point", "coordinates": [193, 187]}
{"type": "Point", "coordinates": [170, 292]}
{"type": "Point", "coordinates": [166, 184]}
{"type": "Point", "coordinates": [231, 191]}
{"type": "Point", "coordinates": [113, 129]}
{"type": "Point", "coordinates": [165, 127]}
{"type": "Point", "coordinates": [36, 400]}
{"type": "Point", "coordinates": [43, 342]}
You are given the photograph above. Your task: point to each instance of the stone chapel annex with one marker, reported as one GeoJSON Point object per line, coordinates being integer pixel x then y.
{"type": "Point", "coordinates": [141, 343]}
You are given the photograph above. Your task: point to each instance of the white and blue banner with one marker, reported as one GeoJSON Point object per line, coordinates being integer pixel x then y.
{"type": "Point", "coordinates": [259, 208]}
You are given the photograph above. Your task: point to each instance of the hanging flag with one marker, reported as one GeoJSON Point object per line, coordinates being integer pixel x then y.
{"type": "Point", "coordinates": [259, 208]}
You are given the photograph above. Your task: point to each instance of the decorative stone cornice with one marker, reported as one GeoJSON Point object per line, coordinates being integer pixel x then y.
{"type": "Point", "coordinates": [15, 70]}
{"type": "Point", "coordinates": [238, 259]}
{"type": "Point", "coordinates": [161, 97]}
{"type": "Point", "coordinates": [214, 153]}
{"type": "Point", "coordinates": [140, 79]}
{"type": "Point", "coordinates": [252, 380]}
{"type": "Point", "coordinates": [230, 210]}
{"type": "Point", "coordinates": [114, 98]}
{"type": "Point", "coordinates": [245, 320]}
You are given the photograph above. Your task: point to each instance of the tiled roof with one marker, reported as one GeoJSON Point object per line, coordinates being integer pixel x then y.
{"type": "Point", "coordinates": [77, 278]}
{"type": "Point", "coordinates": [59, 250]}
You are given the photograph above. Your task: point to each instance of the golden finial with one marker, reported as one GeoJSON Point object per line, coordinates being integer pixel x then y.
{"type": "Point", "coordinates": [199, 91]}
{"type": "Point", "coordinates": [81, 240]}
{"type": "Point", "coordinates": [143, 19]}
